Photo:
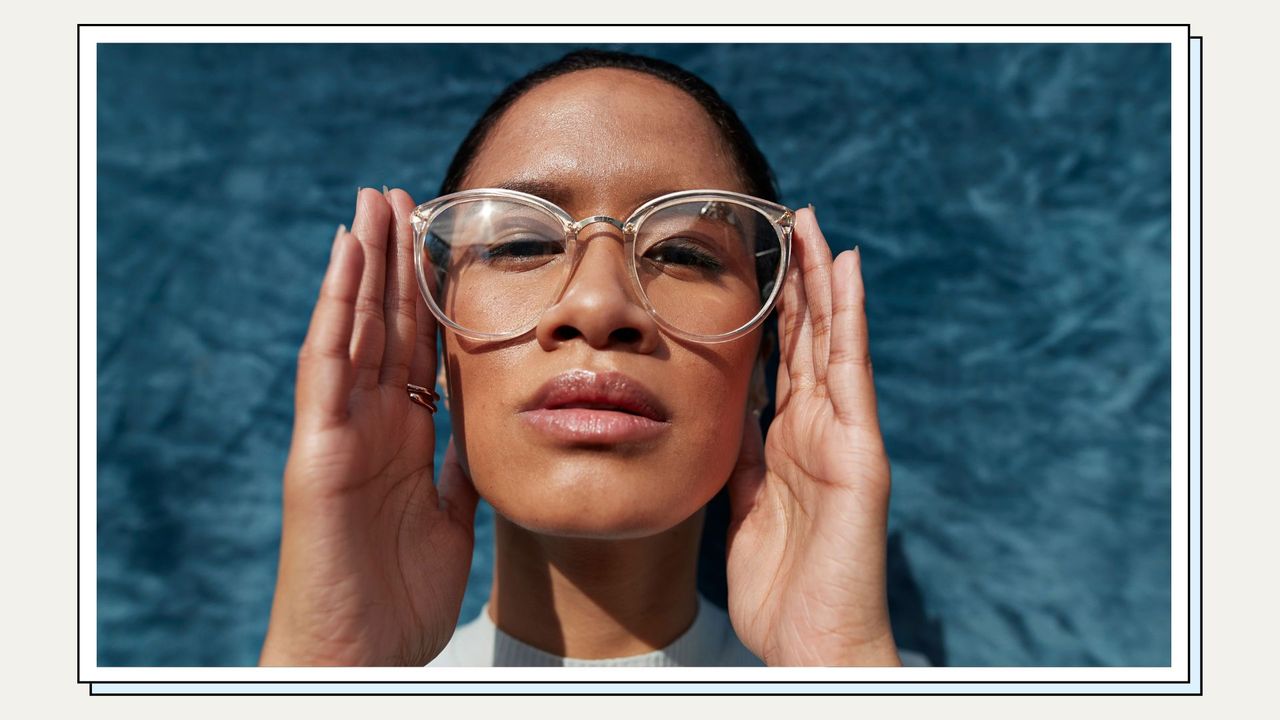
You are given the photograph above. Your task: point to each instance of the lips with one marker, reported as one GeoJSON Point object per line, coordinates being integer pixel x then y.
{"type": "Point", "coordinates": [584, 408]}
{"type": "Point", "coordinates": [598, 391]}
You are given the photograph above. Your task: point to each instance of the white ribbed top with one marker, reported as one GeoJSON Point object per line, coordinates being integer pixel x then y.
{"type": "Point", "coordinates": [709, 642]}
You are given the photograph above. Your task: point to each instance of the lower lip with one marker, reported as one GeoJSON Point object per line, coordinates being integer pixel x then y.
{"type": "Point", "coordinates": [585, 425]}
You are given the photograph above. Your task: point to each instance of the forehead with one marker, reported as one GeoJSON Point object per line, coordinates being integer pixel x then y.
{"type": "Point", "coordinates": [605, 139]}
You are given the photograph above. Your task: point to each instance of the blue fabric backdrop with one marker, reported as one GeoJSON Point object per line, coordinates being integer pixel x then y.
{"type": "Point", "coordinates": [1012, 206]}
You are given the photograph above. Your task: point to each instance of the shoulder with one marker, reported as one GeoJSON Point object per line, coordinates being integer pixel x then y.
{"type": "Point", "coordinates": [471, 645]}
{"type": "Point", "coordinates": [729, 650]}
{"type": "Point", "coordinates": [911, 658]}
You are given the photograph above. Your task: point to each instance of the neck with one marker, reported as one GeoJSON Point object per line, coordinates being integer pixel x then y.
{"type": "Point", "coordinates": [591, 599]}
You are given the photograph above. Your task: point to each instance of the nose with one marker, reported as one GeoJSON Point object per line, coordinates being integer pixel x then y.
{"type": "Point", "coordinates": [599, 304]}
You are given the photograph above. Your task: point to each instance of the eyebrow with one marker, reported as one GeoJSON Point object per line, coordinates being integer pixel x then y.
{"type": "Point", "coordinates": [545, 189]}
{"type": "Point", "coordinates": [563, 196]}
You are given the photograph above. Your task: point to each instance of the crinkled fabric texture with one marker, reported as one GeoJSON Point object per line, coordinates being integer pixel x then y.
{"type": "Point", "coordinates": [1012, 205]}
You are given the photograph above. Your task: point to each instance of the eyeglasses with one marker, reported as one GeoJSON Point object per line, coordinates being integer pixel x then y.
{"type": "Point", "coordinates": [707, 265]}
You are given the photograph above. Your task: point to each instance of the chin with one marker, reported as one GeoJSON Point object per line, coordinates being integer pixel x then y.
{"type": "Point", "coordinates": [615, 520]}
{"type": "Point", "coordinates": [591, 528]}
{"type": "Point", "coordinates": [578, 506]}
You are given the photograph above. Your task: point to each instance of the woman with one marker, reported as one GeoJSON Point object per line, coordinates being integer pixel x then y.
{"type": "Point", "coordinates": [601, 430]}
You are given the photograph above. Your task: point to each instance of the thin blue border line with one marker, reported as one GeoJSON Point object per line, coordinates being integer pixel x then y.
{"type": "Point", "coordinates": [1195, 110]}
{"type": "Point", "coordinates": [710, 688]}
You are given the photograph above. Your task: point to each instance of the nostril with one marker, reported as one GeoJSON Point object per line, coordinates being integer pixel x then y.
{"type": "Point", "coordinates": [565, 332]}
{"type": "Point", "coordinates": [626, 335]}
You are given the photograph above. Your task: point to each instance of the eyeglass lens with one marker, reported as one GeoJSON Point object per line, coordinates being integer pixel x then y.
{"type": "Point", "coordinates": [706, 267]}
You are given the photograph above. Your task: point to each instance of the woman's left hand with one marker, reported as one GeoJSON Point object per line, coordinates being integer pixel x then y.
{"type": "Point", "coordinates": [810, 506]}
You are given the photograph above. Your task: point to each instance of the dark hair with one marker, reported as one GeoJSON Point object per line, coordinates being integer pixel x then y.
{"type": "Point", "coordinates": [755, 170]}
{"type": "Point", "coordinates": [756, 175]}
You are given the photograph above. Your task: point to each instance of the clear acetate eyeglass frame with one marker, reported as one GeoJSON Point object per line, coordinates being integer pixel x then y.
{"type": "Point", "coordinates": [781, 218]}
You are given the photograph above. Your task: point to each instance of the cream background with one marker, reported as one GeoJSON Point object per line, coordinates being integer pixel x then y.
{"type": "Point", "coordinates": [39, 300]}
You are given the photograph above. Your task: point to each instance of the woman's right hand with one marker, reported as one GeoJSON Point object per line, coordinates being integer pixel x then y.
{"type": "Point", "coordinates": [373, 559]}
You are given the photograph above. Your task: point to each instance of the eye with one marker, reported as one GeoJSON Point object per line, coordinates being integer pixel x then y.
{"type": "Point", "coordinates": [522, 248]}
{"type": "Point", "coordinates": [683, 252]}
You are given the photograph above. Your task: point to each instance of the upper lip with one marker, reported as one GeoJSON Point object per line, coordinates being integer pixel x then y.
{"type": "Point", "coordinates": [600, 390]}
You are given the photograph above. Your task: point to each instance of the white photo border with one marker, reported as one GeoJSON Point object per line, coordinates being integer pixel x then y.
{"type": "Point", "coordinates": [1183, 676]}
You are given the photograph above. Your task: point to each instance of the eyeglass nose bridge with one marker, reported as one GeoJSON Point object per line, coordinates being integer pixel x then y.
{"type": "Point", "coordinates": [577, 226]}
{"type": "Point", "coordinates": [628, 231]}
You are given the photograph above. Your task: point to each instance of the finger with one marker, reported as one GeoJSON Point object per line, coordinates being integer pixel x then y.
{"type": "Point", "coordinates": [782, 389]}
{"type": "Point", "coordinates": [458, 495]}
{"type": "Point", "coordinates": [401, 296]}
{"type": "Point", "coordinates": [815, 264]}
{"type": "Point", "coordinates": [422, 370]}
{"type": "Point", "coordinates": [849, 378]}
{"type": "Point", "coordinates": [324, 361]}
{"type": "Point", "coordinates": [747, 478]}
{"type": "Point", "coordinates": [371, 227]}
{"type": "Point", "coordinates": [796, 352]}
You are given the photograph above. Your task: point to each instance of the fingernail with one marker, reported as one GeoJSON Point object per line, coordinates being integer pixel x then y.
{"type": "Point", "coordinates": [385, 191]}
{"type": "Point", "coordinates": [334, 249]}
{"type": "Point", "coordinates": [814, 212]}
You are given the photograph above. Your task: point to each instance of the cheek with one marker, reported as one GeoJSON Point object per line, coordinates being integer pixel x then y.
{"type": "Point", "coordinates": [713, 406]}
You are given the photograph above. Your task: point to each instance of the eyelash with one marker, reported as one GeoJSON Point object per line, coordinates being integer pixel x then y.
{"type": "Point", "coordinates": [505, 248]}
{"type": "Point", "coordinates": [700, 258]}
{"type": "Point", "coordinates": [685, 253]}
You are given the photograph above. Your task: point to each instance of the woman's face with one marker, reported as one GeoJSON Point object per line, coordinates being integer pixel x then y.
{"type": "Point", "coordinates": [600, 142]}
